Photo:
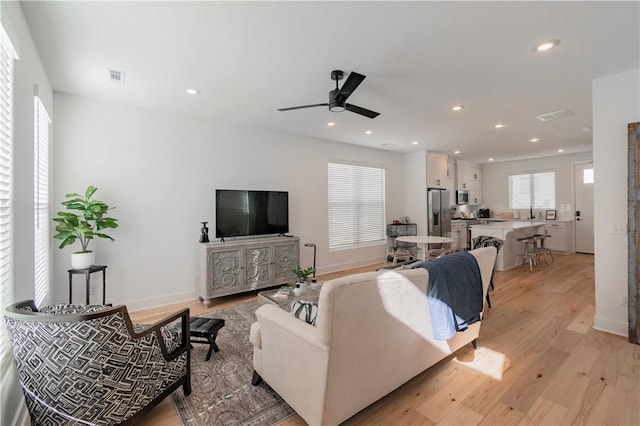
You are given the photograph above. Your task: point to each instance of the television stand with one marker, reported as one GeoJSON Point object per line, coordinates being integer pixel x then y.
{"type": "Point", "coordinates": [239, 266]}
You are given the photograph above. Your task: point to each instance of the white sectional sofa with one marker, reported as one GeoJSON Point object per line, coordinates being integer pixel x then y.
{"type": "Point", "coordinates": [373, 333]}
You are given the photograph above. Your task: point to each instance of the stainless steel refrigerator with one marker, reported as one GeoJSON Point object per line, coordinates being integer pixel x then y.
{"type": "Point", "coordinates": [438, 212]}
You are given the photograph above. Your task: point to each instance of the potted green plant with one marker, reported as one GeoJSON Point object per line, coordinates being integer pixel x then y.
{"type": "Point", "coordinates": [303, 274]}
{"type": "Point", "coordinates": [85, 219]}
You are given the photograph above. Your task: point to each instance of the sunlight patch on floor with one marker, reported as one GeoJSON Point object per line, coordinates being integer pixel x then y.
{"type": "Point", "coordinates": [484, 361]}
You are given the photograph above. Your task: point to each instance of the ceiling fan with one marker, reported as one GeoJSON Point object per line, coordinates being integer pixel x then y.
{"type": "Point", "coordinates": [338, 97]}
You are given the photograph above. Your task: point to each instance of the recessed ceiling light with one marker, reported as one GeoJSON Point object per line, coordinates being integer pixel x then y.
{"type": "Point", "coordinates": [500, 125]}
{"type": "Point", "coordinates": [561, 150]}
{"type": "Point", "coordinates": [534, 140]}
{"type": "Point", "coordinates": [490, 159]}
{"type": "Point", "coordinates": [457, 107]}
{"type": "Point", "coordinates": [546, 46]}
{"type": "Point", "coordinates": [368, 132]}
{"type": "Point", "coordinates": [457, 151]}
{"type": "Point", "coordinates": [331, 124]}
{"type": "Point", "coordinates": [414, 143]}
{"type": "Point", "coordinates": [193, 91]}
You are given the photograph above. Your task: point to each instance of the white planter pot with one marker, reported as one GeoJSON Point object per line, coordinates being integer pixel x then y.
{"type": "Point", "coordinates": [82, 260]}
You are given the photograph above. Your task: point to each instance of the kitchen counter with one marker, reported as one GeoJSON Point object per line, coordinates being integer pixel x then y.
{"type": "Point", "coordinates": [526, 220]}
{"type": "Point", "coordinates": [512, 224]}
{"type": "Point", "coordinates": [508, 231]}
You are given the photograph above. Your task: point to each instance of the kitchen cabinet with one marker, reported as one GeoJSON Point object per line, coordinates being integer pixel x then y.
{"type": "Point", "coordinates": [436, 170]}
{"type": "Point", "coordinates": [470, 179]}
{"type": "Point", "coordinates": [561, 236]}
{"type": "Point", "coordinates": [451, 181]}
{"type": "Point", "coordinates": [459, 228]}
{"type": "Point", "coordinates": [244, 265]}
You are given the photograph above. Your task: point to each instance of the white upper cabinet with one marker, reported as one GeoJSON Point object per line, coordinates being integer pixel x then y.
{"type": "Point", "coordinates": [436, 170]}
{"type": "Point", "coordinates": [470, 179]}
{"type": "Point", "coordinates": [451, 181]}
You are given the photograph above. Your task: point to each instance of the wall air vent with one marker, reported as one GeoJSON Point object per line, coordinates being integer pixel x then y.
{"type": "Point", "coordinates": [116, 76]}
{"type": "Point", "coordinates": [554, 115]}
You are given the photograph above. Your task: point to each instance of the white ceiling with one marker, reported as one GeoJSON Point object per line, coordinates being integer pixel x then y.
{"type": "Point", "coordinates": [420, 58]}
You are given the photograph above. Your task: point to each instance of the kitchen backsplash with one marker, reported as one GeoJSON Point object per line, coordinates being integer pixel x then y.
{"type": "Point", "coordinates": [563, 212]}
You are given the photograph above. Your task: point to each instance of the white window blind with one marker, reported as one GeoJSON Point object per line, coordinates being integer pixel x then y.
{"type": "Point", "coordinates": [6, 196]}
{"type": "Point", "coordinates": [356, 205]}
{"type": "Point", "coordinates": [536, 190]}
{"type": "Point", "coordinates": [41, 122]}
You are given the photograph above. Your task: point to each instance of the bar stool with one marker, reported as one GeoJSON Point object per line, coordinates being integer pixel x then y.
{"type": "Point", "coordinates": [541, 249]}
{"type": "Point", "coordinates": [529, 252]}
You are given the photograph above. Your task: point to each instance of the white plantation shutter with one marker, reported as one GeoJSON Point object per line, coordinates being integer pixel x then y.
{"type": "Point", "coordinates": [356, 205]}
{"type": "Point", "coordinates": [537, 190]}
{"type": "Point", "coordinates": [41, 201]}
{"type": "Point", "coordinates": [6, 196]}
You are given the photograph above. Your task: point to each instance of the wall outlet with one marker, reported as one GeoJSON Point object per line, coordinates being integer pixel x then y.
{"type": "Point", "coordinates": [624, 301]}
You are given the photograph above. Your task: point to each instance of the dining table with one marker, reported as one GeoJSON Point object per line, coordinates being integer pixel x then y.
{"type": "Point", "coordinates": [423, 242]}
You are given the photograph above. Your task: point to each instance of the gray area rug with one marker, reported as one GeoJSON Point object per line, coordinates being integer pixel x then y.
{"type": "Point", "coordinates": [222, 393]}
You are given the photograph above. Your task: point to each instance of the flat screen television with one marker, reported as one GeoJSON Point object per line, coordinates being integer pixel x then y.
{"type": "Point", "coordinates": [244, 213]}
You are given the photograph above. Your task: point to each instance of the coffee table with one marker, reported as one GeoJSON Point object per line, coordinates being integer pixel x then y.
{"type": "Point", "coordinates": [309, 295]}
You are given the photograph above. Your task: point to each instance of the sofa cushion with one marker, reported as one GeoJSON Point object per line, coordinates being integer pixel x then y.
{"type": "Point", "coordinates": [306, 311]}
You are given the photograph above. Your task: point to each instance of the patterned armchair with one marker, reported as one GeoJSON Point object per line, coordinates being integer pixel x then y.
{"type": "Point", "coordinates": [82, 364]}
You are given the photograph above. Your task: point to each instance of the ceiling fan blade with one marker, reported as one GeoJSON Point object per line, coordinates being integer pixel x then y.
{"type": "Point", "coordinates": [302, 106]}
{"type": "Point", "coordinates": [361, 111]}
{"type": "Point", "coordinates": [352, 83]}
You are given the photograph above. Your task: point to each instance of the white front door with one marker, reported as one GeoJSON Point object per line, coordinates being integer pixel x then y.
{"type": "Point", "coordinates": [583, 177]}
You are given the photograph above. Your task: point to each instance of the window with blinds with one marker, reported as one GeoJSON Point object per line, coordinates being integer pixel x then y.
{"type": "Point", "coordinates": [536, 190]}
{"type": "Point", "coordinates": [6, 189]}
{"type": "Point", "coordinates": [42, 254]}
{"type": "Point", "coordinates": [356, 205]}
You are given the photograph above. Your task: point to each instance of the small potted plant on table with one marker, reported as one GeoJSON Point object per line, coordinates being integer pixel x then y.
{"type": "Point", "coordinates": [303, 276]}
{"type": "Point", "coordinates": [84, 226]}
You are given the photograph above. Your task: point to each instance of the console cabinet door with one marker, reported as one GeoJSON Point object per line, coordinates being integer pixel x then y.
{"type": "Point", "coordinates": [257, 266]}
{"type": "Point", "coordinates": [240, 266]}
{"type": "Point", "coordinates": [226, 273]}
{"type": "Point", "coordinates": [285, 261]}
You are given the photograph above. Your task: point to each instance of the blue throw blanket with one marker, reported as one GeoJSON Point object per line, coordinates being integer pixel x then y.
{"type": "Point", "coordinates": [455, 293]}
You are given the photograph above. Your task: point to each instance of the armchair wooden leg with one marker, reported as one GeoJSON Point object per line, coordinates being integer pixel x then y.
{"type": "Point", "coordinates": [256, 378]}
{"type": "Point", "coordinates": [474, 343]}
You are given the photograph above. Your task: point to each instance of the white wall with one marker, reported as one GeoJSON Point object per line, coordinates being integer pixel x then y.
{"type": "Point", "coordinates": [28, 72]}
{"type": "Point", "coordinates": [616, 102]}
{"type": "Point", "coordinates": [495, 179]}
{"type": "Point", "coordinates": [415, 187]}
{"type": "Point", "coordinates": [161, 172]}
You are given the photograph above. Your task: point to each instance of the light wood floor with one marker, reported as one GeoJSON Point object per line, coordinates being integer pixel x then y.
{"type": "Point", "coordinates": [540, 362]}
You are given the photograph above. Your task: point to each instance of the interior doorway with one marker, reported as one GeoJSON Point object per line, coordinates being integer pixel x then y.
{"type": "Point", "coordinates": [583, 178]}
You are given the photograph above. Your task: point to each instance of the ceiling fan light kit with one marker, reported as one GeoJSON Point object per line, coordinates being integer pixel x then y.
{"type": "Point", "coordinates": [338, 96]}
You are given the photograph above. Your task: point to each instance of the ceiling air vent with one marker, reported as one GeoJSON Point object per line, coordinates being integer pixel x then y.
{"type": "Point", "coordinates": [116, 76]}
{"type": "Point", "coordinates": [554, 115]}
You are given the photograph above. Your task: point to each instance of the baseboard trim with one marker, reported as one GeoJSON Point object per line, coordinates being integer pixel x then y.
{"type": "Point", "coordinates": [160, 301]}
{"type": "Point", "coordinates": [611, 326]}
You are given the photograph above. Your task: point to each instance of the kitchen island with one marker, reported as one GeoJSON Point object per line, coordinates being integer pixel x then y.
{"type": "Point", "coordinates": [508, 232]}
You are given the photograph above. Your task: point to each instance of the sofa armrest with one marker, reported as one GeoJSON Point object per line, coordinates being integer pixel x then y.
{"type": "Point", "coordinates": [292, 360]}
{"type": "Point", "coordinates": [288, 324]}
